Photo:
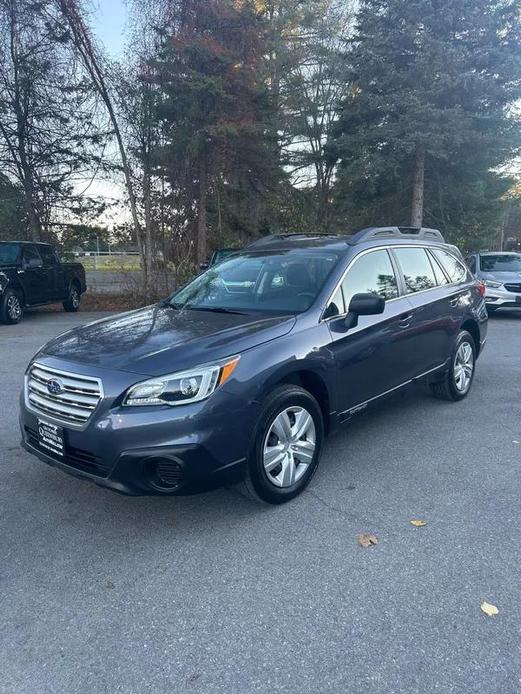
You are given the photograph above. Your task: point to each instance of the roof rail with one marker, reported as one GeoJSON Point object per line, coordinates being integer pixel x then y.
{"type": "Point", "coordinates": [397, 232]}
{"type": "Point", "coordinates": [277, 237]}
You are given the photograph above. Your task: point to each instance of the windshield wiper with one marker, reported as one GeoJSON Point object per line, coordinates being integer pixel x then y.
{"type": "Point", "coordinates": [214, 309]}
{"type": "Point", "coordinates": [189, 307]}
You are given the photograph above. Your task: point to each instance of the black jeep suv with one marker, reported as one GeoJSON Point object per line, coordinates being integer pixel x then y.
{"type": "Point", "coordinates": [238, 376]}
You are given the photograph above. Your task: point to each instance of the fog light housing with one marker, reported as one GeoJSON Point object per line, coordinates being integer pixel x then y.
{"type": "Point", "coordinates": [164, 474]}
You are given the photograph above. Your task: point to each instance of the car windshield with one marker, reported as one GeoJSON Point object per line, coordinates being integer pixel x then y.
{"type": "Point", "coordinates": [500, 263]}
{"type": "Point", "coordinates": [269, 282]}
{"type": "Point", "coordinates": [8, 253]}
{"type": "Point", "coordinates": [219, 256]}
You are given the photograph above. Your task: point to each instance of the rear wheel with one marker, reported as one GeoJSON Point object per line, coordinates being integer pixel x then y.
{"type": "Point", "coordinates": [72, 302]}
{"type": "Point", "coordinates": [458, 380]}
{"type": "Point", "coordinates": [11, 308]}
{"type": "Point", "coordinates": [287, 445]}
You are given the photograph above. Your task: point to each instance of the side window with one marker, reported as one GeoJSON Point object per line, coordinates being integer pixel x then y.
{"type": "Point", "coordinates": [456, 271]}
{"type": "Point", "coordinates": [441, 277]}
{"type": "Point", "coordinates": [31, 257]}
{"type": "Point", "coordinates": [372, 273]}
{"type": "Point", "coordinates": [417, 270]}
{"type": "Point", "coordinates": [48, 256]}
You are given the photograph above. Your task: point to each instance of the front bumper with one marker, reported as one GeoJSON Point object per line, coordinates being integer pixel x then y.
{"type": "Point", "coordinates": [151, 450]}
{"type": "Point", "coordinates": [501, 297]}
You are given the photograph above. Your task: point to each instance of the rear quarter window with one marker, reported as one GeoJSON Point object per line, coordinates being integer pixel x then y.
{"type": "Point", "coordinates": [455, 269]}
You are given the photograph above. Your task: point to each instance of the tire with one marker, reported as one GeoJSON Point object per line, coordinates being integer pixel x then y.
{"type": "Point", "coordinates": [457, 382]}
{"type": "Point", "coordinates": [73, 300]}
{"type": "Point", "coordinates": [279, 468]}
{"type": "Point", "coordinates": [11, 308]}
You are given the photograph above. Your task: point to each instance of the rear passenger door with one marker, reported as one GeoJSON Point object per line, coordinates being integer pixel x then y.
{"type": "Point", "coordinates": [55, 272]}
{"type": "Point", "coordinates": [33, 276]}
{"type": "Point", "coordinates": [375, 356]}
{"type": "Point", "coordinates": [426, 286]}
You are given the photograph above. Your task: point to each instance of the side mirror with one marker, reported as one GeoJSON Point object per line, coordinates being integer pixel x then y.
{"type": "Point", "coordinates": [204, 266]}
{"type": "Point", "coordinates": [364, 305]}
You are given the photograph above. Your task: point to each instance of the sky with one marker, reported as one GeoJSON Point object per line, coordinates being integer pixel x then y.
{"type": "Point", "coordinates": [109, 24]}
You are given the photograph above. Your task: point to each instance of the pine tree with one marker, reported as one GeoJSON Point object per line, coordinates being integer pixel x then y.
{"type": "Point", "coordinates": [432, 83]}
{"type": "Point", "coordinates": [213, 104]}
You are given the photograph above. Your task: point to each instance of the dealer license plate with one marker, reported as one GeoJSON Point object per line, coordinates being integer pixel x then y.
{"type": "Point", "coordinates": [50, 438]}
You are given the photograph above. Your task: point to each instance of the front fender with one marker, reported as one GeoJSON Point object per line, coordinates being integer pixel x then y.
{"type": "Point", "coordinates": [261, 368]}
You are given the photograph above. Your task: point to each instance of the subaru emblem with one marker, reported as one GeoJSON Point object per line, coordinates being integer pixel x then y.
{"type": "Point", "coordinates": [54, 386]}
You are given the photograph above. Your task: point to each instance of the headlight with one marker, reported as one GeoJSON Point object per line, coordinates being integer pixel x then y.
{"type": "Point", "coordinates": [181, 388]}
{"type": "Point", "coordinates": [492, 284]}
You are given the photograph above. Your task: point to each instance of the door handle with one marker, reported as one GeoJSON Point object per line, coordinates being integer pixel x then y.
{"type": "Point", "coordinates": [405, 320]}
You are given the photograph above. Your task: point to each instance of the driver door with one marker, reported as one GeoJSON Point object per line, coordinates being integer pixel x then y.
{"type": "Point", "coordinates": [373, 357]}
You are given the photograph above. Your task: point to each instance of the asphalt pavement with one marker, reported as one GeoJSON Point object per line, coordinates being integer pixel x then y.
{"type": "Point", "coordinates": [214, 594]}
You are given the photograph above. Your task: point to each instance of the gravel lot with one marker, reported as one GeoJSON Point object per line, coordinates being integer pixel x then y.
{"type": "Point", "coordinates": [210, 594]}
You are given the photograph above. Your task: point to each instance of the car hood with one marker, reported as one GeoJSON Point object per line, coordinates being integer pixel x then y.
{"type": "Point", "coordinates": [158, 340]}
{"type": "Point", "coordinates": [510, 277]}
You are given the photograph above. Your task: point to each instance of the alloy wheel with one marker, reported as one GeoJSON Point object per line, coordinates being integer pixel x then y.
{"type": "Point", "coordinates": [289, 446]}
{"type": "Point", "coordinates": [463, 367]}
{"type": "Point", "coordinates": [75, 298]}
{"type": "Point", "coordinates": [14, 308]}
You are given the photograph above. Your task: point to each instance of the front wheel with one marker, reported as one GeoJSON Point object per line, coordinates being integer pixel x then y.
{"type": "Point", "coordinates": [458, 380]}
{"type": "Point", "coordinates": [72, 302]}
{"type": "Point", "coordinates": [11, 308]}
{"type": "Point", "coordinates": [287, 444]}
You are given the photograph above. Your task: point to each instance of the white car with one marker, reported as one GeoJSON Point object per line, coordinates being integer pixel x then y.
{"type": "Point", "coordinates": [501, 275]}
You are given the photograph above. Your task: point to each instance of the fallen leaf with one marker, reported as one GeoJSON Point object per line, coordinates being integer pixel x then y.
{"type": "Point", "coordinates": [489, 609]}
{"type": "Point", "coordinates": [418, 523]}
{"type": "Point", "coordinates": [367, 540]}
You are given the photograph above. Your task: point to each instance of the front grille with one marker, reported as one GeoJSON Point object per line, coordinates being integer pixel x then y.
{"type": "Point", "coordinates": [513, 288]}
{"type": "Point", "coordinates": [74, 403]}
{"type": "Point", "coordinates": [74, 457]}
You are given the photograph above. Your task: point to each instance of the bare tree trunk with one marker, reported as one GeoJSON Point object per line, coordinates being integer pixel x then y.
{"type": "Point", "coordinates": [83, 43]}
{"type": "Point", "coordinates": [34, 221]}
{"type": "Point", "coordinates": [418, 187]}
{"type": "Point", "coordinates": [201, 219]}
{"type": "Point", "coordinates": [148, 254]}
{"type": "Point", "coordinates": [19, 150]}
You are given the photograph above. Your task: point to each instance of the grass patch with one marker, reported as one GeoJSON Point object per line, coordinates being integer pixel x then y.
{"type": "Point", "coordinates": [120, 263]}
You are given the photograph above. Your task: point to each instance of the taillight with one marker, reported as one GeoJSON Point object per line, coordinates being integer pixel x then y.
{"type": "Point", "coordinates": [481, 288]}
